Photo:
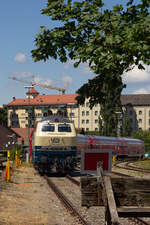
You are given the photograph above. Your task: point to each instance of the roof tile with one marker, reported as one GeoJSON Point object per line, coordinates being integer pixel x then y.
{"type": "Point", "coordinates": [46, 99]}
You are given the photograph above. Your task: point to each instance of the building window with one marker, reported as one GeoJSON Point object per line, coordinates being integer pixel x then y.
{"type": "Point", "coordinates": [96, 129]}
{"type": "Point", "coordinates": [23, 121]}
{"type": "Point", "coordinates": [38, 115]}
{"type": "Point", "coordinates": [140, 121]}
{"type": "Point", "coordinates": [87, 113]}
{"type": "Point", "coordinates": [87, 129]}
{"type": "Point", "coordinates": [131, 113]}
{"type": "Point", "coordinates": [149, 112]}
{"type": "Point", "coordinates": [96, 113]}
{"type": "Point", "coordinates": [140, 128]}
{"type": "Point", "coordinates": [96, 121]}
{"type": "Point", "coordinates": [14, 123]}
{"type": "Point", "coordinates": [23, 114]}
{"type": "Point", "coordinates": [71, 114]}
{"type": "Point", "coordinates": [83, 121]}
{"type": "Point", "coordinates": [149, 121]}
{"type": "Point", "coordinates": [45, 114]}
{"type": "Point", "coordinates": [131, 120]}
{"type": "Point", "coordinates": [140, 112]}
{"type": "Point", "coordinates": [83, 113]}
{"type": "Point", "coordinates": [87, 104]}
{"type": "Point", "coordinates": [87, 121]}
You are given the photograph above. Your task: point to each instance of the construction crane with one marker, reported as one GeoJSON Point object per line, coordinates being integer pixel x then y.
{"type": "Point", "coordinates": [34, 83]}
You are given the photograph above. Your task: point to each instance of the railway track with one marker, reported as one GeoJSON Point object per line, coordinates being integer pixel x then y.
{"type": "Point", "coordinates": [73, 208]}
{"type": "Point", "coordinates": [76, 182]}
{"type": "Point", "coordinates": [66, 202]}
{"type": "Point", "coordinates": [139, 221]}
{"type": "Point", "coordinates": [127, 166]}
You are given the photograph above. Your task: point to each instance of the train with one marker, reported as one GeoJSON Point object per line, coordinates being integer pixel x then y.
{"type": "Point", "coordinates": [121, 147]}
{"type": "Point", "coordinates": [56, 147]}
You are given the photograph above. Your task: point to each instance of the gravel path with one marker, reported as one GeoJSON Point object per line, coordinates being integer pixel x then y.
{"type": "Point", "coordinates": [28, 200]}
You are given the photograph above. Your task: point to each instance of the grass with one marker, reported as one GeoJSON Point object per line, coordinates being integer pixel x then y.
{"type": "Point", "coordinates": [25, 164]}
{"type": "Point", "coordinates": [18, 171]}
{"type": "Point", "coordinates": [143, 164]}
{"type": "Point", "coordinates": [28, 179]}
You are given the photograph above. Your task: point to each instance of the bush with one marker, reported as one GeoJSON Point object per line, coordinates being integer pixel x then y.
{"type": "Point", "coordinates": [144, 136]}
{"type": "Point", "coordinates": [13, 150]}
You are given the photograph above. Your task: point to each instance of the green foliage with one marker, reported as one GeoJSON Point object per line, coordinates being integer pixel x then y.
{"type": "Point", "coordinates": [111, 41]}
{"type": "Point", "coordinates": [145, 136]}
{"type": "Point", "coordinates": [126, 126]}
{"type": "Point", "coordinates": [19, 150]}
{"type": "Point", "coordinates": [97, 133]}
{"type": "Point", "coordinates": [4, 115]}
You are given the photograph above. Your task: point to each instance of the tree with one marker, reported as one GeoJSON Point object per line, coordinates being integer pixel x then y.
{"type": "Point", "coordinates": [4, 115]}
{"type": "Point", "coordinates": [111, 41]}
{"type": "Point", "coordinates": [126, 130]}
{"type": "Point", "coordinates": [145, 136]}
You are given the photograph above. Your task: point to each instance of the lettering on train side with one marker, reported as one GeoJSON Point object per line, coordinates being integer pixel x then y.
{"type": "Point", "coordinates": [55, 140]}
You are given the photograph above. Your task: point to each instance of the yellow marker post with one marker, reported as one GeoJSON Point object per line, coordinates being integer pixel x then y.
{"type": "Point", "coordinates": [7, 170]}
{"type": "Point", "coordinates": [16, 160]}
{"type": "Point", "coordinates": [114, 158]}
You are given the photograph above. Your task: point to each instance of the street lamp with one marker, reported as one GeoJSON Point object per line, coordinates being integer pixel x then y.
{"type": "Point", "coordinates": [27, 154]}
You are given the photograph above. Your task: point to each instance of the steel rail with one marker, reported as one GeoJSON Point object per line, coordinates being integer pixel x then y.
{"type": "Point", "coordinates": [137, 220]}
{"type": "Point", "coordinates": [139, 169]}
{"type": "Point", "coordinates": [66, 201]}
{"type": "Point", "coordinates": [131, 168]}
{"type": "Point", "coordinates": [76, 182]}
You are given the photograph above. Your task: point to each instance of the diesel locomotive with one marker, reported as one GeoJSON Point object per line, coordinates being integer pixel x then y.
{"type": "Point", "coordinates": [54, 145]}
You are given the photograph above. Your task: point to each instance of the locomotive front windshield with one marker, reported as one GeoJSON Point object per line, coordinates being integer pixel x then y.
{"type": "Point", "coordinates": [64, 128]}
{"type": "Point", "coordinates": [48, 128]}
{"type": "Point", "coordinates": [56, 128]}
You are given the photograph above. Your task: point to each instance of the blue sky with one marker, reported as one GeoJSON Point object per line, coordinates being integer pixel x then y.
{"type": "Point", "coordinates": [20, 21]}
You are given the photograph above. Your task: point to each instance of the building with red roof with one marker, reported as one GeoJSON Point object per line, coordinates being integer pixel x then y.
{"type": "Point", "coordinates": [24, 113]}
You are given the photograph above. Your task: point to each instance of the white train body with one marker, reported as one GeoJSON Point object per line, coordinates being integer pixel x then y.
{"type": "Point", "coordinates": [54, 144]}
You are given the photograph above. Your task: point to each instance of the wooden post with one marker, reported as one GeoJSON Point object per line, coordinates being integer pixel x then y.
{"type": "Point", "coordinates": [112, 209]}
{"type": "Point", "coordinates": [104, 183]}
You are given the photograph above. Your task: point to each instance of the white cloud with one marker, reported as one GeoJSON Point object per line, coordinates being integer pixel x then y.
{"type": "Point", "coordinates": [24, 74]}
{"type": "Point", "coordinates": [67, 80]}
{"type": "Point", "coordinates": [83, 66]}
{"type": "Point", "coordinates": [137, 76]}
{"type": "Point", "coordinates": [145, 90]}
{"type": "Point", "coordinates": [86, 69]}
{"type": "Point", "coordinates": [43, 81]}
{"type": "Point", "coordinates": [69, 64]}
{"type": "Point", "coordinates": [20, 57]}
